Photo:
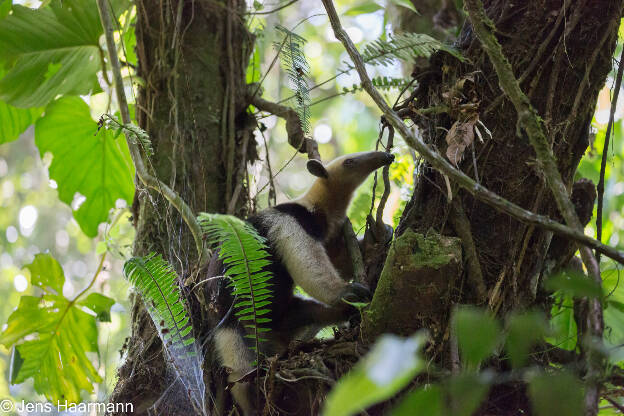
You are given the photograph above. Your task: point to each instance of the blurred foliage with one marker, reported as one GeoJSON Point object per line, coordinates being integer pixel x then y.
{"type": "Point", "coordinates": [385, 370]}
{"type": "Point", "coordinates": [555, 391]}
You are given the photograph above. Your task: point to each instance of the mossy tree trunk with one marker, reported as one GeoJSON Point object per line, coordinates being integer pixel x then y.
{"type": "Point", "coordinates": [192, 61]}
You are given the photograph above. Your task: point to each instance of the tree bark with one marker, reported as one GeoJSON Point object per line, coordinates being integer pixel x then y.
{"type": "Point", "coordinates": [192, 60]}
{"type": "Point", "coordinates": [562, 68]}
{"type": "Point", "coordinates": [561, 52]}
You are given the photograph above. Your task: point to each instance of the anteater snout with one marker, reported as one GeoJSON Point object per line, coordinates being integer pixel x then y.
{"type": "Point", "coordinates": [389, 157]}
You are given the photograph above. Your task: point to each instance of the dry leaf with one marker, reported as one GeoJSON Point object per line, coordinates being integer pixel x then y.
{"type": "Point", "coordinates": [460, 136]}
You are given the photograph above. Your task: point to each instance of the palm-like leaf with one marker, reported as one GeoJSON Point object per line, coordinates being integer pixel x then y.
{"type": "Point", "coordinates": [244, 253]}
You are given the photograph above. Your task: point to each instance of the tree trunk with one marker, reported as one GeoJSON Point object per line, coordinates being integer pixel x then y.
{"type": "Point", "coordinates": [561, 52]}
{"type": "Point", "coordinates": [192, 59]}
{"type": "Point", "coordinates": [563, 63]}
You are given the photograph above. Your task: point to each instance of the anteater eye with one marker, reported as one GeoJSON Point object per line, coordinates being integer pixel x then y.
{"type": "Point", "coordinates": [348, 163]}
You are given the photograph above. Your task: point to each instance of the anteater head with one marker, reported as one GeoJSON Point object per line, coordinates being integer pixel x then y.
{"type": "Point", "coordinates": [337, 180]}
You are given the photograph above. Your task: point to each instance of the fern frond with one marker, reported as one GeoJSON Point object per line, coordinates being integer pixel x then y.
{"type": "Point", "coordinates": [244, 253]}
{"type": "Point", "coordinates": [381, 83]}
{"type": "Point", "coordinates": [403, 46]}
{"type": "Point", "coordinates": [156, 281]}
{"type": "Point", "coordinates": [137, 135]}
{"type": "Point", "coordinates": [294, 62]}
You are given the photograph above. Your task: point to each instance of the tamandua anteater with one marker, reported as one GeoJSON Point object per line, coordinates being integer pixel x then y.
{"type": "Point", "coordinates": [298, 234]}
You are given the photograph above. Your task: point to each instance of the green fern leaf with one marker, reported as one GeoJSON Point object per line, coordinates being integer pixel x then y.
{"type": "Point", "coordinates": [405, 47]}
{"type": "Point", "coordinates": [244, 253]}
{"type": "Point", "coordinates": [294, 62]}
{"type": "Point", "coordinates": [156, 281]}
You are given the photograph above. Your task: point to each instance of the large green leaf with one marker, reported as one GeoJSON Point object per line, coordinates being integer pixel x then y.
{"type": "Point", "coordinates": [573, 283]}
{"type": "Point", "coordinates": [562, 323]}
{"type": "Point", "coordinates": [46, 273]}
{"type": "Point", "coordinates": [466, 391]}
{"type": "Point", "coordinates": [53, 51]}
{"type": "Point", "coordinates": [99, 304]}
{"type": "Point", "coordinates": [94, 163]}
{"type": "Point", "coordinates": [59, 332]}
{"type": "Point", "coordinates": [363, 9]}
{"type": "Point", "coordinates": [524, 331]}
{"type": "Point", "coordinates": [614, 314]}
{"type": "Point", "coordinates": [424, 401]}
{"type": "Point", "coordinates": [13, 121]}
{"type": "Point", "coordinates": [5, 8]}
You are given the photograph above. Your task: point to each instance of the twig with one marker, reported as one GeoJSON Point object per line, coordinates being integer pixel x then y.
{"type": "Point", "coordinates": [438, 162]}
{"type": "Point", "coordinates": [369, 217]}
{"type": "Point", "coordinates": [614, 403]}
{"type": "Point", "coordinates": [148, 180]}
{"type": "Point", "coordinates": [271, 199]}
{"type": "Point", "coordinates": [386, 192]}
{"type": "Point", "coordinates": [277, 9]}
{"type": "Point", "coordinates": [605, 152]}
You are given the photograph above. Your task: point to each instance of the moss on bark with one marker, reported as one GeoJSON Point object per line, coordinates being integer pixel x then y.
{"type": "Point", "coordinates": [414, 284]}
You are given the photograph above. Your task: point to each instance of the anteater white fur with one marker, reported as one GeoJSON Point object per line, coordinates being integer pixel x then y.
{"type": "Point", "coordinates": [307, 262]}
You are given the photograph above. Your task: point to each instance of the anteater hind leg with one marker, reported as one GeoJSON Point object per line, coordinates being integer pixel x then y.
{"type": "Point", "coordinates": [305, 317]}
{"type": "Point", "coordinates": [236, 356]}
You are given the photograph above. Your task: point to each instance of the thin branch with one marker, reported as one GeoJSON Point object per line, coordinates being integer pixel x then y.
{"type": "Point", "coordinates": [438, 162]}
{"type": "Point", "coordinates": [605, 151]}
{"type": "Point", "coordinates": [386, 192]}
{"type": "Point", "coordinates": [461, 224]}
{"type": "Point", "coordinates": [296, 136]}
{"type": "Point", "coordinates": [277, 9]}
{"type": "Point", "coordinates": [614, 403]}
{"type": "Point", "coordinates": [147, 179]}
{"type": "Point", "coordinates": [231, 139]}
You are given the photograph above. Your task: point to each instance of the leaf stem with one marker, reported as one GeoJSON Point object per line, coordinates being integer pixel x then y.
{"type": "Point", "coordinates": [73, 301]}
{"type": "Point", "coordinates": [95, 276]}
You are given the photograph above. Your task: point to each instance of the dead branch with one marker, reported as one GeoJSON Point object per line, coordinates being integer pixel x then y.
{"type": "Point", "coordinates": [296, 136]}
{"type": "Point", "coordinates": [353, 248]}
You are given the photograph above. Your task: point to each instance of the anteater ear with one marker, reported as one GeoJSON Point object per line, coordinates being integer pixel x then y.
{"type": "Point", "coordinates": [316, 168]}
